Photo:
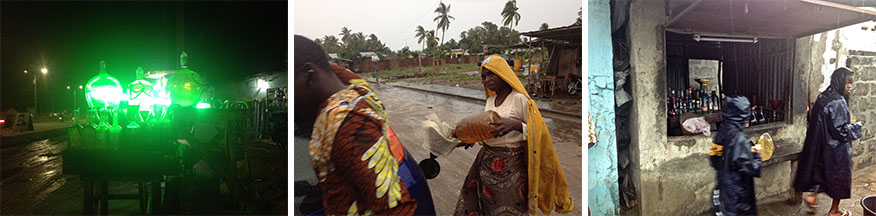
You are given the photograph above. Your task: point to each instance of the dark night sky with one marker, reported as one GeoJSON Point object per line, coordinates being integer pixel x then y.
{"type": "Point", "coordinates": [225, 41]}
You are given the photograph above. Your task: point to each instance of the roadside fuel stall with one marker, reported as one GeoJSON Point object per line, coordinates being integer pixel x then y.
{"type": "Point", "coordinates": [187, 151]}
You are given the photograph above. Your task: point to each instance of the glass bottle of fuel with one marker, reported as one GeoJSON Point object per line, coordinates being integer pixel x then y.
{"type": "Point", "coordinates": [715, 101]}
{"type": "Point", "coordinates": [670, 104]}
{"type": "Point", "coordinates": [74, 137]}
{"type": "Point", "coordinates": [704, 104]}
{"type": "Point", "coordinates": [114, 131]}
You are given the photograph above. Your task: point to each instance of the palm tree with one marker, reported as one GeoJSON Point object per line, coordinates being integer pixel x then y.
{"type": "Point", "coordinates": [509, 15]}
{"type": "Point", "coordinates": [345, 35]}
{"type": "Point", "coordinates": [357, 42]}
{"type": "Point", "coordinates": [421, 35]}
{"type": "Point", "coordinates": [374, 43]}
{"type": "Point", "coordinates": [432, 40]}
{"type": "Point", "coordinates": [443, 19]}
{"type": "Point", "coordinates": [421, 38]}
{"type": "Point", "coordinates": [543, 27]}
{"type": "Point", "coordinates": [330, 43]}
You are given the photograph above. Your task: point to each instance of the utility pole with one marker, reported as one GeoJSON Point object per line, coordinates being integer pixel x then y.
{"type": "Point", "coordinates": [34, 94]}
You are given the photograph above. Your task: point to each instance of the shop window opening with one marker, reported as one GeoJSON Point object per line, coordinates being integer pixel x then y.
{"type": "Point", "coordinates": [702, 69]}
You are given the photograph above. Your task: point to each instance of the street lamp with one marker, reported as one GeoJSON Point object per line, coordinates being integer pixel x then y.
{"type": "Point", "coordinates": [74, 98]}
{"type": "Point", "coordinates": [45, 71]}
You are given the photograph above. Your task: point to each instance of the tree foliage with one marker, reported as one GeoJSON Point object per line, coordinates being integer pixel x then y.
{"type": "Point", "coordinates": [510, 17]}
{"type": "Point", "coordinates": [488, 33]}
{"type": "Point", "coordinates": [443, 19]}
{"type": "Point", "coordinates": [351, 44]}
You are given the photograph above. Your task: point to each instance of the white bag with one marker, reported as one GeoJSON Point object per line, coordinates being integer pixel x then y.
{"type": "Point", "coordinates": [697, 125]}
{"type": "Point", "coordinates": [439, 137]}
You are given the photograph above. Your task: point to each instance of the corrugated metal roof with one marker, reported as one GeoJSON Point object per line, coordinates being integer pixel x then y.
{"type": "Point", "coordinates": [566, 33]}
{"type": "Point", "coordinates": [764, 18]}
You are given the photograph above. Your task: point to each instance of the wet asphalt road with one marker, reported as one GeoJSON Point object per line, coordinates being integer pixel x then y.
{"type": "Point", "coordinates": [31, 182]}
{"type": "Point", "coordinates": [407, 109]}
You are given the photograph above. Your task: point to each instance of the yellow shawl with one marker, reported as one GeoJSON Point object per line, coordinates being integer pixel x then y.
{"type": "Point", "coordinates": [547, 183]}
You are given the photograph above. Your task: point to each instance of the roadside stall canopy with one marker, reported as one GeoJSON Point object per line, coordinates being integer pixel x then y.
{"type": "Point", "coordinates": [568, 33]}
{"type": "Point", "coordinates": [769, 19]}
{"type": "Point", "coordinates": [538, 43]}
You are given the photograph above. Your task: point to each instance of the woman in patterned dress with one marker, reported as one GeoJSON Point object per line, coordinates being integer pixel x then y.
{"type": "Point", "coordinates": [502, 181]}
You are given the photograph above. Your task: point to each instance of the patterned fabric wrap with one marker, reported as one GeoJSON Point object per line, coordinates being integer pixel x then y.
{"type": "Point", "coordinates": [495, 184]}
{"type": "Point", "coordinates": [351, 155]}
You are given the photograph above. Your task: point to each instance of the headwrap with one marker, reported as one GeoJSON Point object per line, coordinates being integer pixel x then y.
{"type": "Point", "coordinates": [838, 81]}
{"type": "Point", "coordinates": [547, 183]}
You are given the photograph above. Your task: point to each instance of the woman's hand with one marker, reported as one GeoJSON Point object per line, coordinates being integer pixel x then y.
{"type": "Point", "coordinates": [506, 125]}
{"type": "Point", "coordinates": [466, 145]}
{"type": "Point", "coordinates": [461, 144]}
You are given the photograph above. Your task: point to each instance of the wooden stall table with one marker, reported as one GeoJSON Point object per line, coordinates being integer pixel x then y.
{"type": "Point", "coordinates": [99, 167]}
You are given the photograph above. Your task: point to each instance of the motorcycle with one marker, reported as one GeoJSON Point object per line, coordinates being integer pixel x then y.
{"type": "Point", "coordinates": [574, 84]}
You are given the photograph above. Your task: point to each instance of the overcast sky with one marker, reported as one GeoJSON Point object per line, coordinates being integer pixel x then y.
{"type": "Point", "coordinates": [394, 21]}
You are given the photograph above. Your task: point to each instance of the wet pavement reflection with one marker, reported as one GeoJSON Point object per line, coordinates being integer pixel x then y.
{"type": "Point", "coordinates": [31, 182]}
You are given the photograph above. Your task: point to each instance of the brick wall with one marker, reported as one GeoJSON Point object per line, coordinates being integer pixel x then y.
{"type": "Point", "coordinates": [367, 66]}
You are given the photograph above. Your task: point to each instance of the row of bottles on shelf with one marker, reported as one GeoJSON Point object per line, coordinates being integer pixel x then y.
{"type": "Point", "coordinates": [757, 116]}
{"type": "Point", "coordinates": [105, 129]}
{"type": "Point", "coordinates": [692, 101]}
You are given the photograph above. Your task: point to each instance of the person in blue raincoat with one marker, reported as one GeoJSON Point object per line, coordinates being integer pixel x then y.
{"type": "Point", "coordinates": [826, 161]}
{"type": "Point", "coordinates": [736, 161]}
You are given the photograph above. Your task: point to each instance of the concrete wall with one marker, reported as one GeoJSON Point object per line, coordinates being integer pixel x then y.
{"type": "Point", "coordinates": [602, 158]}
{"type": "Point", "coordinates": [648, 118]}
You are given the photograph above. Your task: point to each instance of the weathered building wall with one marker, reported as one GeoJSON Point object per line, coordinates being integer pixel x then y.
{"type": "Point", "coordinates": [647, 127]}
{"type": "Point", "coordinates": [602, 157]}
{"type": "Point", "coordinates": [862, 101]}
{"type": "Point", "coordinates": [672, 174]}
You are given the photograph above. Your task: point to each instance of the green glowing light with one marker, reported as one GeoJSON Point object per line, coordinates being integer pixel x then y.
{"type": "Point", "coordinates": [185, 85]}
{"type": "Point", "coordinates": [202, 105]}
{"type": "Point", "coordinates": [140, 91]}
{"type": "Point", "coordinates": [161, 101]}
{"type": "Point", "coordinates": [103, 90]}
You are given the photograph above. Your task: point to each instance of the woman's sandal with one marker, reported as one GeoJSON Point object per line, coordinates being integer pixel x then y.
{"type": "Point", "coordinates": [811, 205]}
{"type": "Point", "coordinates": [844, 211]}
